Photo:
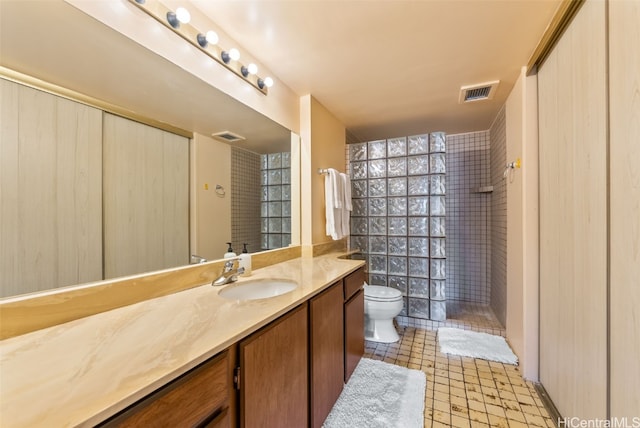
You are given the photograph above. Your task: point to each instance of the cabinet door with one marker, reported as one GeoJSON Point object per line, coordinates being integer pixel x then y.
{"type": "Point", "coordinates": [327, 351]}
{"type": "Point", "coordinates": [353, 333]}
{"type": "Point", "coordinates": [200, 398]}
{"type": "Point", "coordinates": [274, 378]}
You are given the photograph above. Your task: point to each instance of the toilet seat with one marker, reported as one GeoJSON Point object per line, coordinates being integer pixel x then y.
{"type": "Point", "coordinates": [377, 293]}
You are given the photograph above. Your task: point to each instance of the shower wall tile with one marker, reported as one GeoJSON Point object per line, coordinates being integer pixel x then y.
{"type": "Point", "coordinates": [377, 168]}
{"type": "Point", "coordinates": [418, 144]}
{"type": "Point", "coordinates": [498, 214]}
{"type": "Point", "coordinates": [397, 147]}
{"type": "Point", "coordinates": [249, 199]}
{"type": "Point", "coordinates": [437, 142]}
{"type": "Point", "coordinates": [397, 186]}
{"type": "Point", "coordinates": [418, 185]}
{"type": "Point", "coordinates": [377, 149]}
{"type": "Point", "coordinates": [419, 308]}
{"type": "Point", "coordinates": [418, 165]}
{"type": "Point", "coordinates": [419, 287]}
{"type": "Point", "coordinates": [397, 226]}
{"type": "Point", "coordinates": [418, 226]}
{"type": "Point", "coordinates": [438, 310]}
{"type": "Point", "coordinates": [399, 283]}
{"type": "Point", "coordinates": [468, 217]}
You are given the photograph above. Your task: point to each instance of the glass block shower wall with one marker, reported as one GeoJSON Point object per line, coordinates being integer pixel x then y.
{"type": "Point", "coordinates": [276, 200]}
{"type": "Point", "coordinates": [398, 218]}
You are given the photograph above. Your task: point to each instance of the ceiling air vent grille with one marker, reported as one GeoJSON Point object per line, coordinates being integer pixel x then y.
{"type": "Point", "coordinates": [227, 137]}
{"type": "Point", "coordinates": [479, 92]}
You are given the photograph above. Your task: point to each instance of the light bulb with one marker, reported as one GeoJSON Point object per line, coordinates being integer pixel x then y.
{"type": "Point", "coordinates": [268, 82]}
{"type": "Point", "coordinates": [253, 69]}
{"type": "Point", "coordinates": [183, 15]}
{"type": "Point", "coordinates": [234, 54]}
{"type": "Point", "coordinates": [212, 37]}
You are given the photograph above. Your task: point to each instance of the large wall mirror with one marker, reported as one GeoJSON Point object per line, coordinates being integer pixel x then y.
{"type": "Point", "coordinates": [90, 118]}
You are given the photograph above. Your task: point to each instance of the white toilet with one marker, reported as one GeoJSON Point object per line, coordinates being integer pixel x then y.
{"type": "Point", "coordinates": [381, 305]}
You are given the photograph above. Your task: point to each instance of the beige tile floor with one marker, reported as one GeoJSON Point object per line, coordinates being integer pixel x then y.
{"type": "Point", "coordinates": [461, 391]}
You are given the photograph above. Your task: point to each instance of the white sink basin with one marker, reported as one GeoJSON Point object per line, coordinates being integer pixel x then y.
{"type": "Point", "coordinates": [258, 289]}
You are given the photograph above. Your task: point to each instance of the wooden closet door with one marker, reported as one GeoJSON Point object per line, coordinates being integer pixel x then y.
{"type": "Point", "coordinates": [146, 198]}
{"type": "Point", "coordinates": [50, 191]}
{"type": "Point", "coordinates": [573, 217]}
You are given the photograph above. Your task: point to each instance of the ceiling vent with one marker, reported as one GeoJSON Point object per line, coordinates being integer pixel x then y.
{"type": "Point", "coordinates": [228, 137]}
{"type": "Point", "coordinates": [479, 92]}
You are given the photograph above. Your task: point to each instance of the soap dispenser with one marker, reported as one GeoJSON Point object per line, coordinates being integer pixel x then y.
{"type": "Point", "coordinates": [245, 261]}
{"type": "Point", "coordinates": [229, 252]}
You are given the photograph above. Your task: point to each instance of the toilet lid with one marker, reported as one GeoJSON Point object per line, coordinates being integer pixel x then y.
{"type": "Point", "coordinates": [380, 293]}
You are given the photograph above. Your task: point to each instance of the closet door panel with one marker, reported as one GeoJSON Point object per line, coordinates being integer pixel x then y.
{"type": "Point", "coordinates": [573, 217]}
{"type": "Point", "coordinates": [50, 191]}
{"type": "Point", "coordinates": [624, 104]}
{"type": "Point", "coordinates": [146, 198]}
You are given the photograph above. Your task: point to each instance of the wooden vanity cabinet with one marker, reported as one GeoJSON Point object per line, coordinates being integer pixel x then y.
{"type": "Point", "coordinates": [327, 352]}
{"type": "Point", "coordinates": [203, 397]}
{"type": "Point", "coordinates": [353, 321]}
{"type": "Point", "coordinates": [274, 373]}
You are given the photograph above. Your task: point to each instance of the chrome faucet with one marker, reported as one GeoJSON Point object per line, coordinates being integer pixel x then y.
{"type": "Point", "coordinates": [229, 274]}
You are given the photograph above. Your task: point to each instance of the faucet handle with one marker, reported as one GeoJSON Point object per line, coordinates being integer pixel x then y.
{"type": "Point", "coordinates": [228, 265]}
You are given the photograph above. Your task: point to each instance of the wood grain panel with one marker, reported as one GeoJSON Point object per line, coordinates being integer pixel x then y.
{"type": "Point", "coordinates": [327, 352]}
{"type": "Point", "coordinates": [197, 398]}
{"type": "Point", "coordinates": [624, 72]}
{"type": "Point", "coordinates": [274, 373]}
{"type": "Point", "coordinates": [353, 283]}
{"type": "Point", "coordinates": [146, 198]}
{"type": "Point", "coordinates": [573, 217]}
{"type": "Point", "coordinates": [50, 188]}
{"type": "Point", "coordinates": [353, 333]}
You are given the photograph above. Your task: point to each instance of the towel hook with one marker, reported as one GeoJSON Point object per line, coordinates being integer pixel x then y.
{"type": "Point", "coordinates": [220, 190]}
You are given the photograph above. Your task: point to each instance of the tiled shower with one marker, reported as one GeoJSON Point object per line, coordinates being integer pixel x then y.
{"type": "Point", "coordinates": [457, 202]}
{"type": "Point", "coordinates": [398, 217]}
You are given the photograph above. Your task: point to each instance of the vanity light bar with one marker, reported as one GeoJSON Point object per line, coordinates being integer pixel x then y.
{"type": "Point", "coordinates": [205, 42]}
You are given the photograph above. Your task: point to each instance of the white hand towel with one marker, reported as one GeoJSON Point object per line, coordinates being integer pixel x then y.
{"type": "Point", "coordinates": [346, 204]}
{"type": "Point", "coordinates": [334, 222]}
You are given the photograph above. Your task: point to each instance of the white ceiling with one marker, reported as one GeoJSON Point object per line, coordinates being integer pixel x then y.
{"type": "Point", "coordinates": [390, 68]}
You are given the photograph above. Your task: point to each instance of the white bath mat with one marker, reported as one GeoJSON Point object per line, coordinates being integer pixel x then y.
{"type": "Point", "coordinates": [381, 395]}
{"type": "Point", "coordinates": [476, 345]}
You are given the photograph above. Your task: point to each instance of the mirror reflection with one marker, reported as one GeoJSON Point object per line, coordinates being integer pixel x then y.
{"type": "Point", "coordinates": [89, 192]}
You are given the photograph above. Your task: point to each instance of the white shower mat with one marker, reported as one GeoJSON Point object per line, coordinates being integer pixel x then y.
{"type": "Point", "coordinates": [476, 345]}
{"type": "Point", "coordinates": [380, 395]}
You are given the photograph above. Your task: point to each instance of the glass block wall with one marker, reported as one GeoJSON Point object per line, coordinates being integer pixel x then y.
{"type": "Point", "coordinates": [275, 199]}
{"type": "Point", "coordinates": [398, 217]}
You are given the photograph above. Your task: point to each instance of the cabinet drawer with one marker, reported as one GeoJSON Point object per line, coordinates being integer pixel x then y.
{"type": "Point", "coordinates": [352, 283]}
{"type": "Point", "coordinates": [198, 398]}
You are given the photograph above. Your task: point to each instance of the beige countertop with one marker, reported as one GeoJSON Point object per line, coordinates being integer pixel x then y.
{"type": "Point", "coordinates": [81, 372]}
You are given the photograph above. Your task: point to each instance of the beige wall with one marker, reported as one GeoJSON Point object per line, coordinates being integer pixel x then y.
{"type": "Point", "coordinates": [522, 221]}
{"type": "Point", "coordinates": [624, 170]}
{"type": "Point", "coordinates": [323, 146]}
{"type": "Point", "coordinates": [210, 211]}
